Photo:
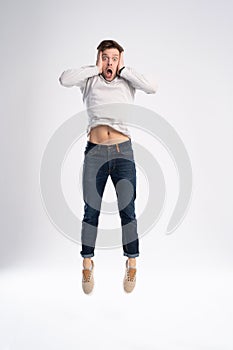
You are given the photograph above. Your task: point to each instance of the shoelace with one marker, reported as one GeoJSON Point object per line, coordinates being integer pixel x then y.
{"type": "Point", "coordinates": [87, 275]}
{"type": "Point", "coordinates": [131, 273]}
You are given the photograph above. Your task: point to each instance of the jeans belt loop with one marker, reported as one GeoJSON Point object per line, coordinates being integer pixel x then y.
{"type": "Point", "coordinates": [117, 147]}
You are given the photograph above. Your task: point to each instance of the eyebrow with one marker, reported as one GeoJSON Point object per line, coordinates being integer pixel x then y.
{"type": "Point", "coordinates": [116, 55]}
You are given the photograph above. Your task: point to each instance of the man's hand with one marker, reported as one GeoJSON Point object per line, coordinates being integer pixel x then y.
{"type": "Point", "coordinates": [121, 62]}
{"type": "Point", "coordinates": [99, 62]}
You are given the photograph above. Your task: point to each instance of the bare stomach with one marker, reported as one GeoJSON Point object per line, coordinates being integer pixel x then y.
{"type": "Point", "coordinates": [106, 135]}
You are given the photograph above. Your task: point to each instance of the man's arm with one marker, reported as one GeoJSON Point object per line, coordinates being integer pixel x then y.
{"type": "Point", "coordinates": [135, 79]}
{"type": "Point", "coordinates": [78, 77]}
{"type": "Point", "coordinates": [138, 81]}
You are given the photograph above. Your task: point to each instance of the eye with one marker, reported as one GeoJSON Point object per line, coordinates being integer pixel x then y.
{"type": "Point", "coordinates": [115, 58]}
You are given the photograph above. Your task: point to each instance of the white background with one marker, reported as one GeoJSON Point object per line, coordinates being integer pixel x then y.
{"type": "Point", "coordinates": [183, 297]}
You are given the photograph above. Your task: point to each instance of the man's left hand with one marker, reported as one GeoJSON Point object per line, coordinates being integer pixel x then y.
{"type": "Point", "coordinates": [121, 62]}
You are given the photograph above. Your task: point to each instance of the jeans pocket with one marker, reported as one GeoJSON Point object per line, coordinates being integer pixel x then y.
{"type": "Point", "coordinates": [91, 150]}
{"type": "Point", "coordinates": [127, 152]}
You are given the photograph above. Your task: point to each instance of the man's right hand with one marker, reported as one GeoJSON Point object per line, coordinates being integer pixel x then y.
{"type": "Point", "coordinates": [121, 62]}
{"type": "Point", "coordinates": [99, 62]}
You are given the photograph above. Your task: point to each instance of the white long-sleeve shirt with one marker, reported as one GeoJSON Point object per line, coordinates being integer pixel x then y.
{"type": "Point", "coordinates": [97, 92]}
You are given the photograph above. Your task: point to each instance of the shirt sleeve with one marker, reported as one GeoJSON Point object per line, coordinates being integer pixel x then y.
{"type": "Point", "coordinates": [138, 81]}
{"type": "Point", "coordinates": [78, 77]}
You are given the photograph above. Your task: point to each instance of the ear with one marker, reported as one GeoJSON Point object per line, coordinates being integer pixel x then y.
{"type": "Point", "coordinates": [97, 57]}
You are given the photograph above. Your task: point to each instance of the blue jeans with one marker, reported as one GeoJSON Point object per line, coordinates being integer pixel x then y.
{"type": "Point", "coordinates": [100, 161]}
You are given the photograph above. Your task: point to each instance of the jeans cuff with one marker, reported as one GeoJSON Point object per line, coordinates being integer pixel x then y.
{"type": "Point", "coordinates": [131, 255]}
{"type": "Point", "coordinates": [87, 255]}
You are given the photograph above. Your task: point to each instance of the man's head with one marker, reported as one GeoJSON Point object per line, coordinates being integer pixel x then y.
{"type": "Point", "coordinates": [110, 58]}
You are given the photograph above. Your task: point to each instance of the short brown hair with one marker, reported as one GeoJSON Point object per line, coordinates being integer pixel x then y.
{"type": "Point", "coordinates": [109, 44]}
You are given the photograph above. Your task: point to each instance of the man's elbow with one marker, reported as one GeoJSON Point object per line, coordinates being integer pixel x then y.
{"type": "Point", "coordinates": [60, 80]}
{"type": "Point", "coordinates": [63, 81]}
{"type": "Point", "coordinates": [153, 89]}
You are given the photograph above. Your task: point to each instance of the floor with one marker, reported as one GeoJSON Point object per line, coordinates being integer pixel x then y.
{"type": "Point", "coordinates": [172, 309]}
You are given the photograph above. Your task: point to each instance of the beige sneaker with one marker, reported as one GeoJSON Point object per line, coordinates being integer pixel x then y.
{"type": "Point", "coordinates": [130, 278]}
{"type": "Point", "coordinates": [88, 279]}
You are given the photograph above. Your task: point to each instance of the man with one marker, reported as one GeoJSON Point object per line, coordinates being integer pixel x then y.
{"type": "Point", "coordinates": [108, 151]}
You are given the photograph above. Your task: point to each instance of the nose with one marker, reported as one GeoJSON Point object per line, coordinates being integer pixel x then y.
{"type": "Point", "coordinates": [109, 62]}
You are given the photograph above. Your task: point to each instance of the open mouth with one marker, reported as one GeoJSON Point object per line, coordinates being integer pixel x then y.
{"type": "Point", "coordinates": [109, 73]}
